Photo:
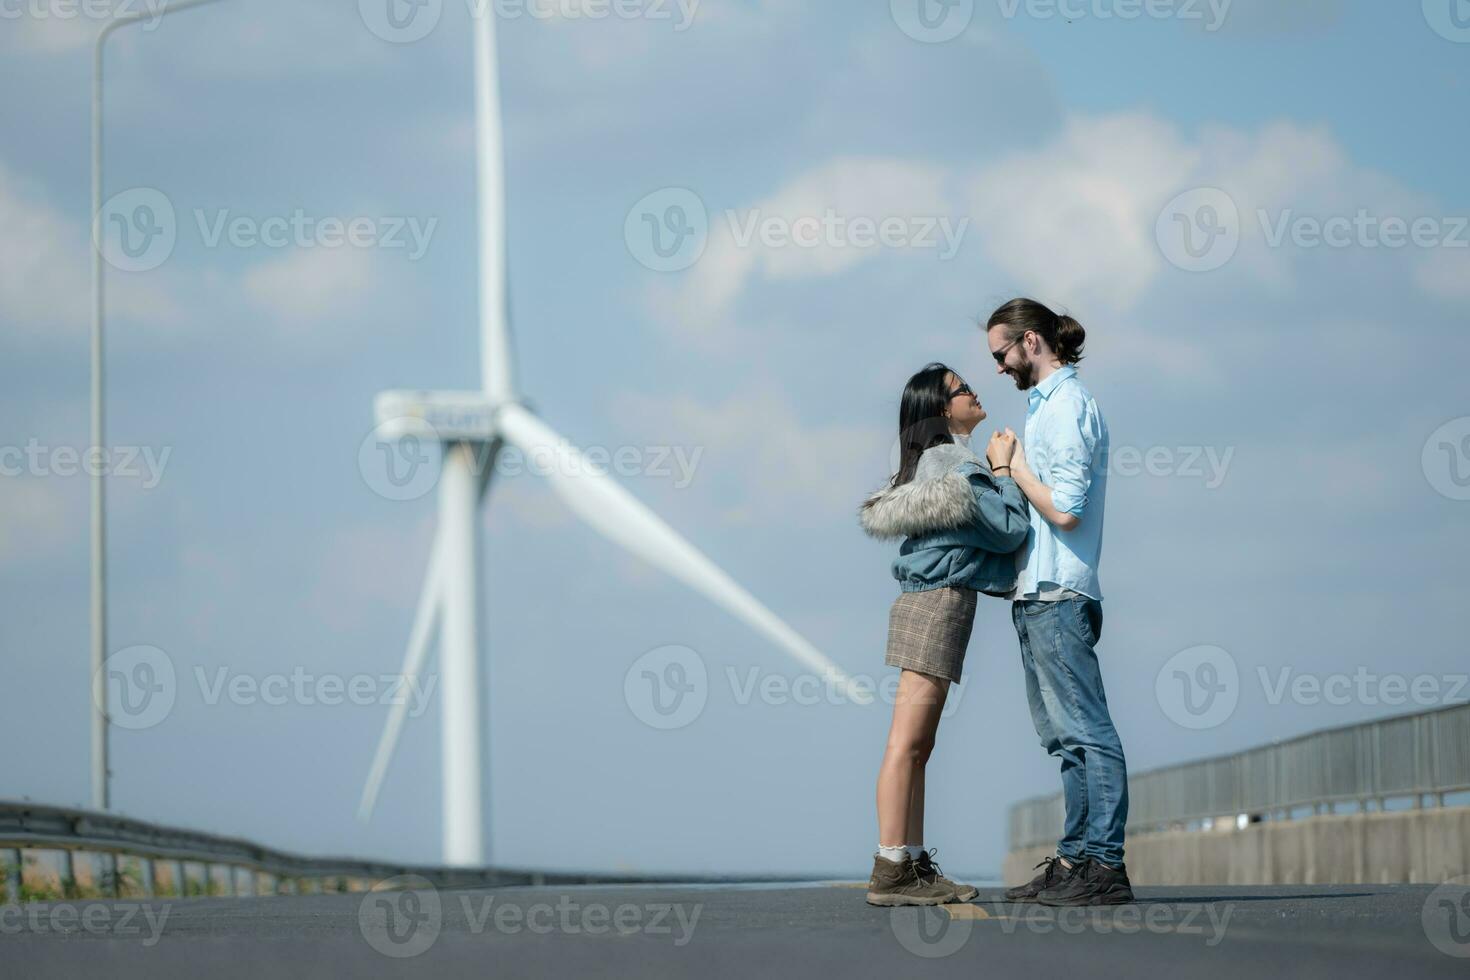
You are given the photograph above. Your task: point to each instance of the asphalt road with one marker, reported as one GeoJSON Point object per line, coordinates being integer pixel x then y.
{"type": "Point", "coordinates": [764, 931]}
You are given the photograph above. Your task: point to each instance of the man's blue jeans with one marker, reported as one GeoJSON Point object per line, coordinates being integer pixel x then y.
{"type": "Point", "coordinates": [1070, 712]}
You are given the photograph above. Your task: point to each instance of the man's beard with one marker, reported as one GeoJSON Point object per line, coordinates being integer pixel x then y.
{"type": "Point", "coordinates": [1024, 376]}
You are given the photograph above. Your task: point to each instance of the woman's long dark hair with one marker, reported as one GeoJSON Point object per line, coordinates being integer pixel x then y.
{"type": "Point", "coordinates": [921, 419]}
{"type": "Point", "coordinates": [1062, 334]}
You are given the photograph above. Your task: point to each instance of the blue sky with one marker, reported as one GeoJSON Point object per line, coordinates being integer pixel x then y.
{"type": "Point", "coordinates": [1328, 538]}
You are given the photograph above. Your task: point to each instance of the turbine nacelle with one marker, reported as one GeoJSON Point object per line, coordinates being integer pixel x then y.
{"type": "Point", "coordinates": [448, 416]}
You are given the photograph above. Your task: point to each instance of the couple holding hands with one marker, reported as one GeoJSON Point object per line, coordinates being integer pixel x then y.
{"type": "Point", "coordinates": [1024, 523]}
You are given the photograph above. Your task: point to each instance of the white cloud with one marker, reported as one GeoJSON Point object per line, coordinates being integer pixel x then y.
{"type": "Point", "coordinates": [42, 279]}
{"type": "Point", "coordinates": [45, 274]}
{"type": "Point", "coordinates": [307, 290]}
{"type": "Point", "coordinates": [847, 188]}
{"type": "Point", "coordinates": [1072, 222]}
{"type": "Point", "coordinates": [1074, 219]}
{"type": "Point", "coordinates": [34, 521]}
{"type": "Point", "coordinates": [782, 466]}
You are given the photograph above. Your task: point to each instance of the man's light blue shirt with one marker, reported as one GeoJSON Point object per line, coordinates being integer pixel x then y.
{"type": "Point", "coordinates": [1066, 446]}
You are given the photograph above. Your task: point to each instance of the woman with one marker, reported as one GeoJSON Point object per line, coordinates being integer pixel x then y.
{"type": "Point", "coordinates": [962, 518]}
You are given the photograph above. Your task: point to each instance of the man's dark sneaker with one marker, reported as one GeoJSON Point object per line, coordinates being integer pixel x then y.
{"type": "Point", "coordinates": [899, 884]}
{"type": "Point", "coordinates": [1094, 884]}
{"type": "Point", "coordinates": [927, 870]}
{"type": "Point", "coordinates": [1052, 871]}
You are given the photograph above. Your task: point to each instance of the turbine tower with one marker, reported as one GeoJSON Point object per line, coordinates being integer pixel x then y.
{"type": "Point", "coordinates": [473, 427]}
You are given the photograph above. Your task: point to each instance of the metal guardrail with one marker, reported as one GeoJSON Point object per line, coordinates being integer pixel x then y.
{"type": "Point", "coordinates": [224, 865]}
{"type": "Point", "coordinates": [1418, 755]}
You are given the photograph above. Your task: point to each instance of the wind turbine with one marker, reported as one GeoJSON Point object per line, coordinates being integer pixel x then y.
{"type": "Point", "coordinates": [473, 427]}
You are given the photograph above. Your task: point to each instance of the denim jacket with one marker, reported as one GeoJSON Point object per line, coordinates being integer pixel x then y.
{"type": "Point", "coordinates": [961, 524]}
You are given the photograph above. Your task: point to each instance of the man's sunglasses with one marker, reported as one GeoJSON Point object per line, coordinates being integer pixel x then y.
{"type": "Point", "coordinates": [1000, 355]}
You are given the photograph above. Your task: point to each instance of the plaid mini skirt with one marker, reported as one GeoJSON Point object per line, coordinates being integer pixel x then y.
{"type": "Point", "coordinates": [928, 631]}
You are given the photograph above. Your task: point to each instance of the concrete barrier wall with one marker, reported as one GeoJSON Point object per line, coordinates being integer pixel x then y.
{"type": "Point", "coordinates": [1416, 846]}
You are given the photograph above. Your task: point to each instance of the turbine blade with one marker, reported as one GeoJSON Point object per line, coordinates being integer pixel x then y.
{"type": "Point", "coordinates": [425, 621]}
{"type": "Point", "coordinates": [602, 503]}
{"type": "Point", "coordinates": [495, 366]}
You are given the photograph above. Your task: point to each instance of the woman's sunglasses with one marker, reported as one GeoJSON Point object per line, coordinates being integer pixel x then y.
{"type": "Point", "coordinates": [961, 390]}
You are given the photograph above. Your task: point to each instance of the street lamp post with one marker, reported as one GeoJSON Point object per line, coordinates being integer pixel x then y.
{"type": "Point", "coordinates": [101, 794]}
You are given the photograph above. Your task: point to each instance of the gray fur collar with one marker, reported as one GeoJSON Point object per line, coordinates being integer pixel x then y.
{"type": "Point", "coordinates": [939, 497]}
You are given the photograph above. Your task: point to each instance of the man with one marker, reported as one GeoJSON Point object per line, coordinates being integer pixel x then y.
{"type": "Point", "coordinates": [1057, 602]}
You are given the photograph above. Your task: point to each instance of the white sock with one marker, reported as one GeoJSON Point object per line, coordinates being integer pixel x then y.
{"type": "Point", "coordinates": [895, 854]}
{"type": "Point", "coordinates": [915, 850]}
